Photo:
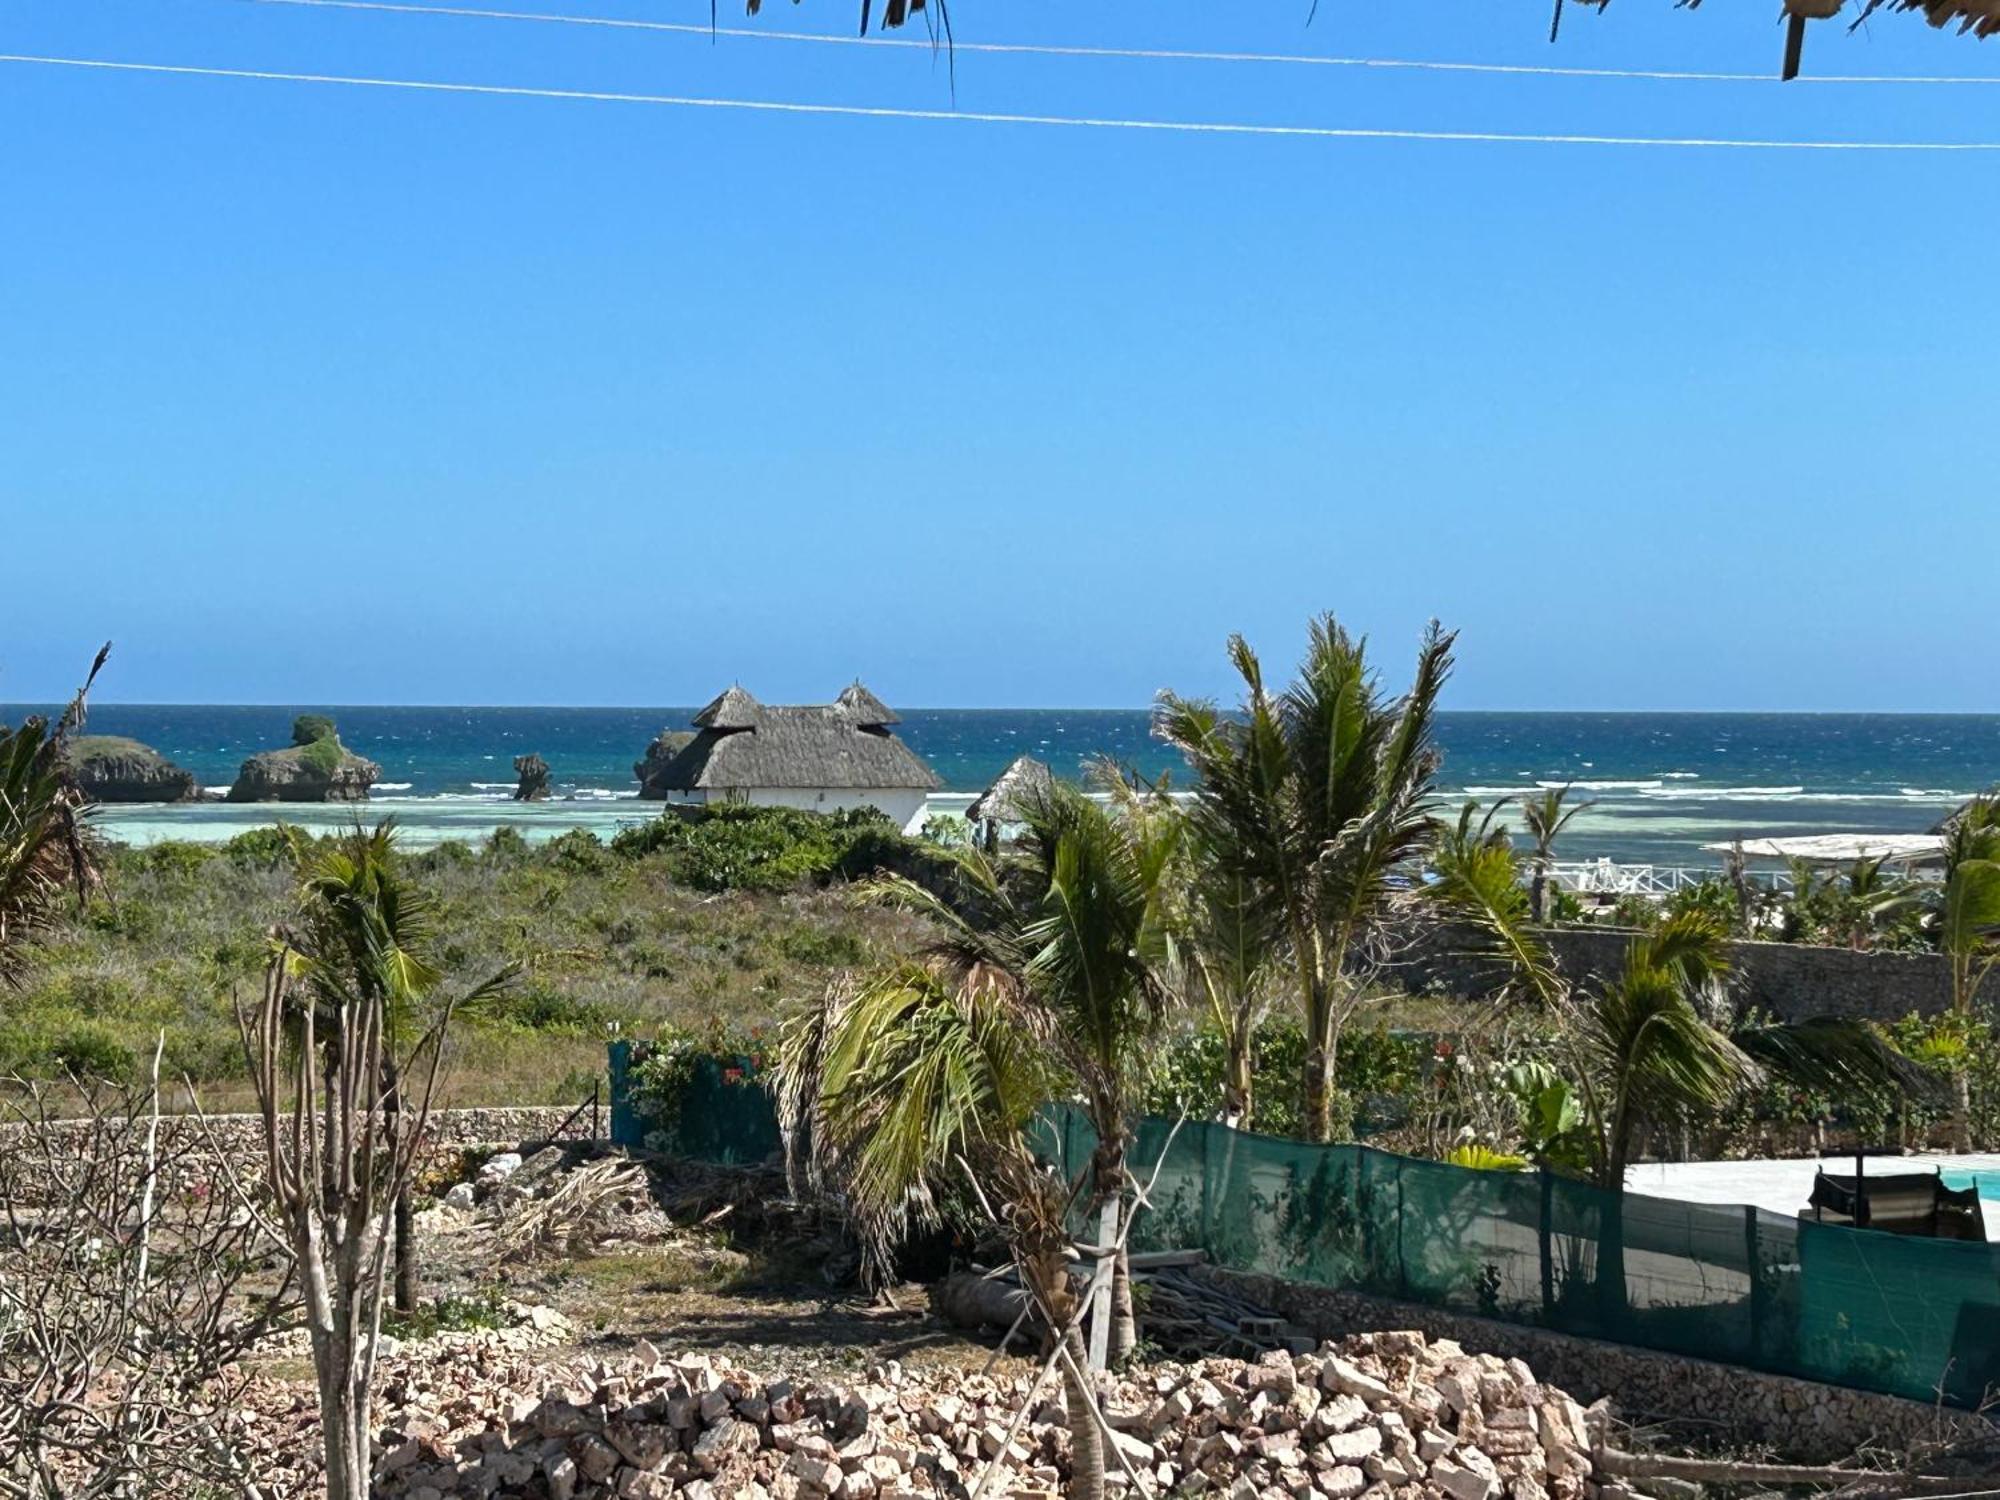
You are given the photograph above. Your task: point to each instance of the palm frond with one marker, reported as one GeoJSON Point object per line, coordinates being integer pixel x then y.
{"type": "Point", "coordinates": [45, 844]}
{"type": "Point", "coordinates": [1838, 1055]}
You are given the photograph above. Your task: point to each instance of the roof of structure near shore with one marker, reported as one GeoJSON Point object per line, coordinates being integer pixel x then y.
{"type": "Point", "coordinates": [749, 746]}
{"type": "Point", "coordinates": [1000, 801]}
{"type": "Point", "coordinates": [1840, 848]}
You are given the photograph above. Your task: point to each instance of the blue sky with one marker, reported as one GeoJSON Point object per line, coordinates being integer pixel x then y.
{"type": "Point", "coordinates": [334, 394]}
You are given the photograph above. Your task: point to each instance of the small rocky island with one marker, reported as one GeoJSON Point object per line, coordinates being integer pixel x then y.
{"type": "Point", "coordinates": [317, 768]}
{"type": "Point", "coordinates": [111, 768]}
{"type": "Point", "coordinates": [534, 774]}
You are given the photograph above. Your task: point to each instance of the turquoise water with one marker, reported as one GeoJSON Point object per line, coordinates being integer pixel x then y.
{"type": "Point", "coordinates": [1662, 784]}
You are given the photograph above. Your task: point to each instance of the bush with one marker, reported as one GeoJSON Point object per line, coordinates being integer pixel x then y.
{"type": "Point", "coordinates": [264, 848]}
{"type": "Point", "coordinates": [1377, 1073]}
{"type": "Point", "coordinates": [175, 858]}
{"type": "Point", "coordinates": [323, 756]}
{"type": "Point", "coordinates": [663, 1074]}
{"type": "Point", "coordinates": [310, 729]}
{"type": "Point", "coordinates": [732, 847]}
{"type": "Point", "coordinates": [579, 850]}
{"type": "Point", "coordinates": [505, 845]}
{"type": "Point", "coordinates": [826, 948]}
{"type": "Point", "coordinates": [87, 1049]}
{"type": "Point", "coordinates": [538, 1007]}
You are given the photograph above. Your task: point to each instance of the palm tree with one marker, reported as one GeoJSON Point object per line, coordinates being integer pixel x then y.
{"type": "Point", "coordinates": [1224, 939]}
{"type": "Point", "coordinates": [363, 934]}
{"type": "Point", "coordinates": [1315, 798]}
{"type": "Point", "coordinates": [1546, 816]}
{"type": "Point", "coordinates": [1648, 1046]}
{"type": "Point", "coordinates": [1073, 927]}
{"type": "Point", "coordinates": [1968, 928]}
{"type": "Point", "coordinates": [44, 849]}
{"type": "Point", "coordinates": [914, 1090]}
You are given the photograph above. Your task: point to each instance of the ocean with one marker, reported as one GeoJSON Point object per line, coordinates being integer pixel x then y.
{"type": "Point", "coordinates": [1661, 784]}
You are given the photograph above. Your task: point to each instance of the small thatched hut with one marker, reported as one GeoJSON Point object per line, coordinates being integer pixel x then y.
{"type": "Point", "coordinates": [1000, 802]}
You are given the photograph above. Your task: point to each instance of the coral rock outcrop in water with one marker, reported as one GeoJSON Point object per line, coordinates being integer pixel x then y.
{"type": "Point", "coordinates": [111, 768]}
{"type": "Point", "coordinates": [534, 774]}
{"type": "Point", "coordinates": [317, 768]}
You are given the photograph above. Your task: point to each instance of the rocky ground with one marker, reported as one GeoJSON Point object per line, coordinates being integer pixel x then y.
{"type": "Point", "coordinates": [636, 1353]}
{"type": "Point", "coordinates": [1383, 1415]}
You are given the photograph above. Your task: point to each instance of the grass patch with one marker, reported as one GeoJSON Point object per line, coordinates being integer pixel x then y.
{"type": "Point", "coordinates": [609, 944]}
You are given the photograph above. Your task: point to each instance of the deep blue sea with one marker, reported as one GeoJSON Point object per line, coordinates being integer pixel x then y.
{"type": "Point", "coordinates": [1662, 784]}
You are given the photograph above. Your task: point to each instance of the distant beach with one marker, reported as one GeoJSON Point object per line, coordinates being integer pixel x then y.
{"type": "Point", "coordinates": [1662, 784]}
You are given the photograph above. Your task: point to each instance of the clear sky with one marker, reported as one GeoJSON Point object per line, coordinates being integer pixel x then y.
{"type": "Point", "coordinates": [319, 393]}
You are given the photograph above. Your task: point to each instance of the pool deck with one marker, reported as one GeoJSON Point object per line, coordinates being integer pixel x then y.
{"type": "Point", "coordinates": [1784, 1186]}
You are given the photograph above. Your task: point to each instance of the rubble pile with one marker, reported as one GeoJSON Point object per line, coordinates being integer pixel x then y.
{"type": "Point", "coordinates": [1386, 1416]}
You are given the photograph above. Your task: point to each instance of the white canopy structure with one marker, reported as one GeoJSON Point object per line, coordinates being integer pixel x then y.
{"type": "Point", "coordinates": [1842, 848]}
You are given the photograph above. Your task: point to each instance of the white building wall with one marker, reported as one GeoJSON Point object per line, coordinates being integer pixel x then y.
{"type": "Point", "coordinates": [904, 807]}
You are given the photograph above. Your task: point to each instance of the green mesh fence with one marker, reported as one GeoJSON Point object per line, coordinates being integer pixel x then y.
{"type": "Point", "coordinates": [1854, 1307]}
{"type": "Point", "coordinates": [727, 1115]}
{"type": "Point", "coordinates": [1881, 1312]}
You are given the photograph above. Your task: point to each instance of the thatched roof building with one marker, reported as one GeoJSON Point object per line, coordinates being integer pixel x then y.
{"type": "Point", "coordinates": [999, 802]}
{"type": "Point", "coordinates": [821, 756]}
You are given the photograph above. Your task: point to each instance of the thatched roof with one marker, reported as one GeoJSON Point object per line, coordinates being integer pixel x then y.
{"type": "Point", "coordinates": [745, 745]}
{"type": "Point", "coordinates": [1980, 17]}
{"type": "Point", "coordinates": [865, 708]}
{"type": "Point", "coordinates": [733, 709]}
{"type": "Point", "coordinates": [998, 802]}
{"type": "Point", "coordinates": [1841, 848]}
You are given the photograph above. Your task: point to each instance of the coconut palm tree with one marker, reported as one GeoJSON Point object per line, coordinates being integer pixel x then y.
{"type": "Point", "coordinates": [922, 1089]}
{"type": "Point", "coordinates": [364, 933]}
{"type": "Point", "coordinates": [44, 849]}
{"type": "Point", "coordinates": [1316, 798]}
{"type": "Point", "coordinates": [1073, 926]}
{"type": "Point", "coordinates": [1546, 816]}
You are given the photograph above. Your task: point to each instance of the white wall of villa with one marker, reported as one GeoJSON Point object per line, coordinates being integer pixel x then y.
{"type": "Point", "coordinates": [904, 806]}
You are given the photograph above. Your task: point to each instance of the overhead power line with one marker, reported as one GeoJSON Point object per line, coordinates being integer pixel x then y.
{"type": "Point", "coordinates": [987, 117]}
{"type": "Point", "coordinates": [1150, 54]}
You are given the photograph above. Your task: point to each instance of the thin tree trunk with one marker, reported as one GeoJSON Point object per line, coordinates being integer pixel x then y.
{"type": "Point", "coordinates": [1086, 1444]}
{"type": "Point", "coordinates": [1961, 1110]}
{"type": "Point", "coordinates": [408, 1287]}
{"type": "Point", "coordinates": [1538, 890]}
{"type": "Point", "coordinates": [1237, 1097]}
{"type": "Point", "coordinates": [1124, 1321]}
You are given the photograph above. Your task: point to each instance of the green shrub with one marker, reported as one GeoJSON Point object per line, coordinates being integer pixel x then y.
{"type": "Point", "coordinates": [822, 947]}
{"type": "Point", "coordinates": [448, 855]}
{"type": "Point", "coordinates": [505, 845]}
{"type": "Point", "coordinates": [310, 729]}
{"type": "Point", "coordinates": [260, 847]}
{"type": "Point", "coordinates": [579, 849]}
{"type": "Point", "coordinates": [87, 1049]}
{"type": "Point", "coordinates": [323, 756]}
{"type": "Point", "coordinates": [1377, 1073]}
{"type": "Point", "coordinates": [735, 847]}
{"type": "Point", "coordinates": [540, 1008]}
{"type": "Point", "coordinates": [174, 858]}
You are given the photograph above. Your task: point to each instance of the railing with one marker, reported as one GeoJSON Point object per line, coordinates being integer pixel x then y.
{"type": "Point", "coordinates": [1604, 877]}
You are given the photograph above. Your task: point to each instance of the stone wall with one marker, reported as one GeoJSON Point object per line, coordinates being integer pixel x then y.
{"type": "Point", "coordinates": [449, 1129]}
{"type": "Point", "coordinates": [1801, 1419]}
{"type": "Point", "coordinates": [1790, 981]}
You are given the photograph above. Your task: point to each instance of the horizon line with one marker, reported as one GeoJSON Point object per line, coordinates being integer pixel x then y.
{"type": "Point", "coordinates": [301, 703]}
